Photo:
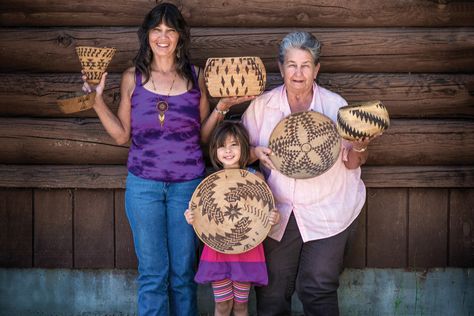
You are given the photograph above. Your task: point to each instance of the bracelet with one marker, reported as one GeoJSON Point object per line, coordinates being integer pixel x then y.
{"type": "Point", "coordinates": [359, 150]}
{"type": "Point", "coordinates": [222, 112]}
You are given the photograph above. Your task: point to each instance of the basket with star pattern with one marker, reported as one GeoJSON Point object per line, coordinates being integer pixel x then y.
{"type": "Point", "coordinates": [231, 210]}
{"type": "Point", "coordinates": [304, 145]}
{"type": "Point", "coordinates": [235, 76]}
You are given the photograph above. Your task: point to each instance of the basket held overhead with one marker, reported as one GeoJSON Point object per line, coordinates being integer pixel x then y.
{"type": "Point", "coordinates": [362, 119]}
{"type": "Point", "coordinates": [235, 76]}
{"type": "Point", "coordinates": [94, 61]}
{"type": "Point", "coordinates": [304, 145]}
{"type": "Point", "coordinates": [76, 102]}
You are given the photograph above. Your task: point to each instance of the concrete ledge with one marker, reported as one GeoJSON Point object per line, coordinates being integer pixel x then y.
{"type": "Point", "coordinates": [112, 292]}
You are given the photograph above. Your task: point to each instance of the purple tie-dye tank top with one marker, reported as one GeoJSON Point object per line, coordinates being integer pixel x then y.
{"type": "Point", "coordinates": [171, 153]}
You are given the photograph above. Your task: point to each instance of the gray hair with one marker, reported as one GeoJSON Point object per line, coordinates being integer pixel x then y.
{"type": "Point", "coordinates": [301, 40]}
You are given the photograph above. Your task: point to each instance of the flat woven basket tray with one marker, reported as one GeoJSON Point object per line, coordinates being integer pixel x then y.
{"type": "Point", "coordinates": [235, 76]}
{"type": "Point", "coordinates": [363, 119]}
{"type": "Point", "coordinates": [231, 210]}
{"type": "Point", "coordinates": [304, 145]}
{"type": "Point", "coordinates": [76, 102]}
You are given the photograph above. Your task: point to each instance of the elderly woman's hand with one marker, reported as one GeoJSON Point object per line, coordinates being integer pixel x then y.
{"type": "Point", "coordinates": [263, 154]}
{"type": "Point", "coordinates": [361, 145]}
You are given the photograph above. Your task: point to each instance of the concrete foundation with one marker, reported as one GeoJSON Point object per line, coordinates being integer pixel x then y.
{"type": "Point", "coordinates": [113, 293]}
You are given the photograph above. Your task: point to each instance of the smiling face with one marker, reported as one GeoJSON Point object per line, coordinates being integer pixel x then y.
{"type": "Point", "coordinates": [298, 71]}
{"type": "Point", "coordinates": [163, 40]}
{"type": "Point", "coordinates": [229, 153]}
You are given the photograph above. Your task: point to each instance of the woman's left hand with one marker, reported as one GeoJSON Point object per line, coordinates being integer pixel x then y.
{"type": "Point", "coordinates": [361, 145]}
{"type": "Point", "coordinates": [226, 103]}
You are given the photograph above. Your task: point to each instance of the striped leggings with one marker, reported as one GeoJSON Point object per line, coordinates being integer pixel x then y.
{"type": "Point", "coordinates": [227, 289]}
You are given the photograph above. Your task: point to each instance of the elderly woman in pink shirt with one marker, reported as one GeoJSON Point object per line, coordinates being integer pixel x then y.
{"type": "Point", "coordinates": [305, 251]}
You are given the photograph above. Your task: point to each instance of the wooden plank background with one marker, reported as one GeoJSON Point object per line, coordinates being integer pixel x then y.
{"type": "Point", "coordinates": [62, 178]}
{"type": "Point", "coordinates": [294, 13]}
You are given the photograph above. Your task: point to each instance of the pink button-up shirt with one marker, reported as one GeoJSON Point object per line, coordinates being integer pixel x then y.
{"type": "Point", "coordinates": [324, 205]}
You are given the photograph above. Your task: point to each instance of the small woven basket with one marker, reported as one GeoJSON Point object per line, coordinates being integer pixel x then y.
{"type": "Point", "coordinates": [362, 119]}
{"type": "Point", "coordinates": [235, 76]}
{"type": "Point", "coordinates": [76, 102]}
{"type": "Point", "coordinates": [94, 61]}
{"type": "Point", "coordinates": [304, 145]}
{"type": "Point", "coordinates": [231, 210]}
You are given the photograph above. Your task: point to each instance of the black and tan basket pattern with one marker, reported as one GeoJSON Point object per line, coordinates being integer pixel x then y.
{"type": "Point", "coordinates": [94, 61]}
{"type": "Point", "coordinates": [235, 76]}
{"type": "Point", "coordinates": [363, 119]}
{"type": "Point", "coordinates": [231, 210]}
{"type": "Point", "coordinates": [76, 102]}
{"type": "Point", "coordinates": [304, 145]}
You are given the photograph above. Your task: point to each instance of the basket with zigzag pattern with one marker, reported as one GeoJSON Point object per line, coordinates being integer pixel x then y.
{"type": "Point", "coordinates": [231, 210]}
{"type": "Point", "coordinates": [362, 119]}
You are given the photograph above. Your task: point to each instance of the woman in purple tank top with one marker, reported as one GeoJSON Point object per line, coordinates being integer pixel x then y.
{"type": "Point", "coordinates": [164, 113]}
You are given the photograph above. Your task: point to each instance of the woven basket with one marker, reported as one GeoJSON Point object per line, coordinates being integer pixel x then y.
{"type": "Point", "coordinates": [363, 119]}
{"type": "Point", "coordinates": [94, 61]}
{"type": "Point", "coordinates": [304, 145]}
{"type": "Point", "coordinates": [76, 102]}
{"type": "Point", "coordinates": [231, 210]}
{"type": "Point", "coordinates": [235, 76]}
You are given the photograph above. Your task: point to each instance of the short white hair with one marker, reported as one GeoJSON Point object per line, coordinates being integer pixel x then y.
{"type": "Point", "coordinates": [300, 40]}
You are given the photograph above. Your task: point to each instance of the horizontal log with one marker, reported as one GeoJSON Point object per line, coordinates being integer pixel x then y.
{"type": "Point", "coordinates": [344, 50]}
{"type": "Point", "coordinates": [297, 13]}
{"type": "Point", "coordinates": [84, 141]}
{"type": "Point", "coordinates": [112, 177]}
{"type": "Point", "coordinates": [405, 95]}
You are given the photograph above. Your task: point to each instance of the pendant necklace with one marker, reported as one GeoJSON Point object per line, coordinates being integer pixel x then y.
{"type": "Point", "coordinates": [162, 105]}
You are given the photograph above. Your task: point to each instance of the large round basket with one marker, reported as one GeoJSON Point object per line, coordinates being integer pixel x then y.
{"type": "Point", "coordinates": [94, 61]}
{"type": "Point", "coordinates": [231, 210]}
{"type": "Point", "coordinates": [76, 102]}
{"type": "Point", "coordinates": [363, 119]}
{"type": "Point", "coordinates": [304, 145]}
{"type": "Point", "coordinates": [235, 76]}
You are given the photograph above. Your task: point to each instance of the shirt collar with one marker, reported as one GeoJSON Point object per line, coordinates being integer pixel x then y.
{"type": "Point", "coordinates": [284, 106]}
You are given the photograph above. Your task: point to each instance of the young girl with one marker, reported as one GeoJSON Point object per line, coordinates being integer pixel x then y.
{"type": "Point", "coordinates": [229, 148]}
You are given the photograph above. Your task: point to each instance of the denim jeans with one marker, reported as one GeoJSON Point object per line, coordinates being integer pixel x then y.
{"type": "Point", "coordinates": [165, 245]}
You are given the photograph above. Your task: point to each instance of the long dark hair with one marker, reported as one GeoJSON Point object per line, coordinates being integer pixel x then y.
{"type": "Point", "coordinates": [219, 136]}
{"type": "Point", "coordinates": [170, 15]}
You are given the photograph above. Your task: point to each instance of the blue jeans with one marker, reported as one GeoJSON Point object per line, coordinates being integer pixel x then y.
{"type": "Point", "coordinates": [165, 245]}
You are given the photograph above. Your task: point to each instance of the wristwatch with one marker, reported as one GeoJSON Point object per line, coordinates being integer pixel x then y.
{"type": "Point", "coordinates": [222, 112]}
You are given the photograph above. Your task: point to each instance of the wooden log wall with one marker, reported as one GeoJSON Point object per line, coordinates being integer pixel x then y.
{"type": "Point", "coordinates": [62, 177]}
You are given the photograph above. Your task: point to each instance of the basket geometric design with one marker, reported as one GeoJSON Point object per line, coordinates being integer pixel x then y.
{"type": "Point", "coordinates": [94, 61]}
{"type": "Point", "coordinates": [235, 76]}
{"type": "Point", "coordinates": [304, 145]}
{"type": "Point", "coordinates": [231, 210]}
{"type": "Point", "coordinates": [362, 119]}
{"type": "Point", "coordinates": [76, 102]}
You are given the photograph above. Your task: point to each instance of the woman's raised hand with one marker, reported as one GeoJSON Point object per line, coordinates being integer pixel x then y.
{"type": "Point", "coordinates": [225, 103]}
{"type": "Point", "coordinates": [99, 89]}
